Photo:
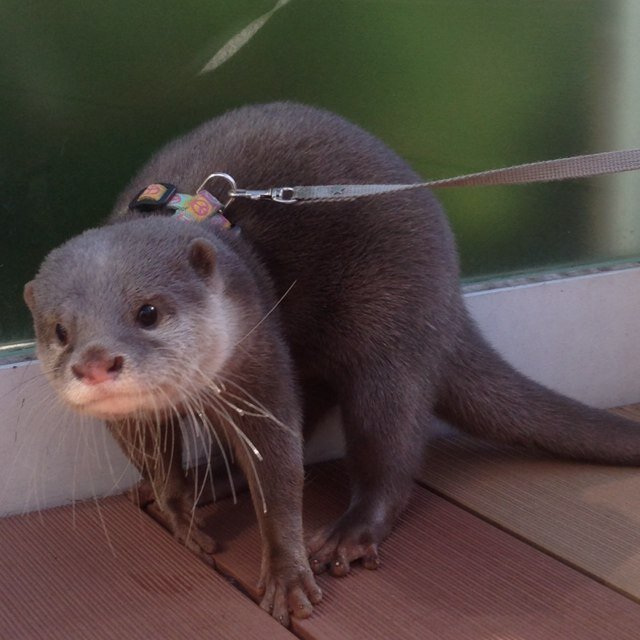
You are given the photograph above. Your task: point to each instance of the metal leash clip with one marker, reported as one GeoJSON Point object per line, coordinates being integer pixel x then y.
{"type": "Point", "coordinates": [276, 194]}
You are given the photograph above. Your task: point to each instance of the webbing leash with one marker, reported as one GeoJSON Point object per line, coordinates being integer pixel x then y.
{"type": "Point", "coordinates": [585, 166]}
{"type": "Point", "coordinates": [204, 206]}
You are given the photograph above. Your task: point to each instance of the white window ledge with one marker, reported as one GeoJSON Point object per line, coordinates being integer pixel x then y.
{"type": "Point", "coordinates": [579, 335]}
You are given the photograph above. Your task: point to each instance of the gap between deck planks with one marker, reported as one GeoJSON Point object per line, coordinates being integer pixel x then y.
{"type": "Point", "coordinates": [63, 578]}
{"type": "Point", "coordinates": [446, 575]}
{"type": "Point", "coordinates": [587, 515]}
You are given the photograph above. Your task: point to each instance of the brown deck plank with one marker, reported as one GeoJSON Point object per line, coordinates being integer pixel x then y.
{"type": "Point", "coordinates": [62, 582]}
{"type": "Point", "coordinates": [446, 575]}
{"type": "Point", "coordinates": [588, 515]}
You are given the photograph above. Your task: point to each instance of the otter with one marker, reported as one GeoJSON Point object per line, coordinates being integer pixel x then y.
{"type": "Point", "coordinates": [149, 321]}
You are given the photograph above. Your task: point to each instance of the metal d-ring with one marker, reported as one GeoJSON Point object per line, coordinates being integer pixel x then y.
{"type": "Point", "coordinates": [232, 186]}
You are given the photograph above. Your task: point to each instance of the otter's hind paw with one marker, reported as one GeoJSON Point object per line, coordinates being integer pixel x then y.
{"type": "Point", "coordinates": [335, 548]}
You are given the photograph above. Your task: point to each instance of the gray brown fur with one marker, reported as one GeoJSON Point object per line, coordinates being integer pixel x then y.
{"type": "Point", "coordinates": [374, 323]}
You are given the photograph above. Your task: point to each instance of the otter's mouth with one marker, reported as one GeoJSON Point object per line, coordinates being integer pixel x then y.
{"type": "Point", "coordinates": [118, 406]}
{"type": "Point", "coordinates": [110, 401]}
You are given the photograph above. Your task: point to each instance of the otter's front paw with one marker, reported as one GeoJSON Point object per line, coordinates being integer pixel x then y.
{"type": "Point", "coordinates": [177, 517]}
{"type": "Point", "coordinates": [186, 529]}
{"type": "Point", "coordinates": [142, 494]}
{"type": "Point", "coordinates": [289, 591]}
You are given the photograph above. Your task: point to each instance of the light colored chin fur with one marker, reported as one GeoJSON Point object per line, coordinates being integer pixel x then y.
{"type": "Point", "coordinates": [115, 399]}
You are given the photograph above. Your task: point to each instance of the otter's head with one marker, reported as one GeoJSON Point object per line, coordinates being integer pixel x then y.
{"type": "Point", "coordinates": [131, 318]}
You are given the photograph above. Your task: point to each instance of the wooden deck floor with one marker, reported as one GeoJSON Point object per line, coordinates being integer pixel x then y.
{"type": "Point", "coordinates": [495, 545]}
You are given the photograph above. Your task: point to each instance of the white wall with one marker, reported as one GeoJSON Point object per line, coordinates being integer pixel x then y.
{"type": "Point", "coordinates": [578, 335]}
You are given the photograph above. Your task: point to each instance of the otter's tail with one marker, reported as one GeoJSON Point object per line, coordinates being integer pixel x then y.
{"type": "Point", "coordinates": [486, 397]}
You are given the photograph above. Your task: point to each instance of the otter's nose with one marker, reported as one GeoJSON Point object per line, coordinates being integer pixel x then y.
{"type": "Point", "coordinates": [98, 367]}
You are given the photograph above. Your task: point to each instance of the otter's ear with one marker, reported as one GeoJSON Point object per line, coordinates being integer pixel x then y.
{"type": "Point", "coordinates": [28, 295]}
{"type": "Point", "coordinates": [202, 257]}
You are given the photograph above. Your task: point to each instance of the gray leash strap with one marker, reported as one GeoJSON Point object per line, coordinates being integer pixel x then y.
{"type": "Point", "coordinates": [586, 166]}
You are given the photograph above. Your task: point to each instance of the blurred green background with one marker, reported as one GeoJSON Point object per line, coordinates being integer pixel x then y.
{"type": "Point", "coordinates": [89, 89]}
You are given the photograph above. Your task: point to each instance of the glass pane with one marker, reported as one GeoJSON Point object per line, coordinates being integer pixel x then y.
{"type": "Point", "coordinates": [89, 90]}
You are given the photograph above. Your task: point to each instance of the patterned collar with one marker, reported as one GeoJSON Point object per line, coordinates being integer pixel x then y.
{"type": "Point", "coordinates": [202, 206]}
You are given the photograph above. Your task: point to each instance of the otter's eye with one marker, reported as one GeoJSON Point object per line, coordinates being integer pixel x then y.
{"type": "Point", "coordinates": [147, 316]}
{"type": "Point", "coordinates": [61, 334]}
